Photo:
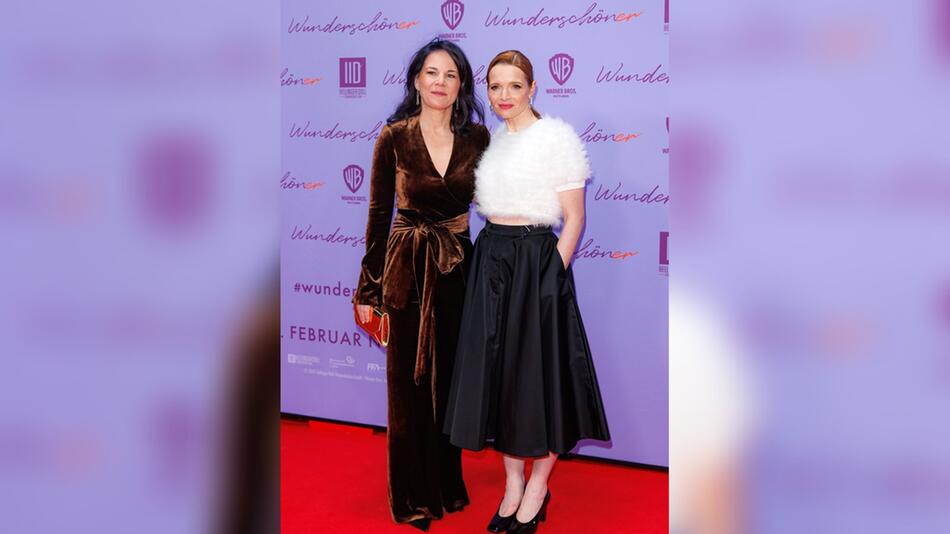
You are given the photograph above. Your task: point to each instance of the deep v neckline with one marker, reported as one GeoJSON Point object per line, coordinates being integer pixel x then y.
{"type": "Point", "coordinates": [448, 165]}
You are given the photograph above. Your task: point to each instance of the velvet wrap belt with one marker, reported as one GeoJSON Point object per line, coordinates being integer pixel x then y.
{"type": "Point", "coordinates": [443, 251]}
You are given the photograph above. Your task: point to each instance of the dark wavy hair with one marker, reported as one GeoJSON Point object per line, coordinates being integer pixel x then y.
{"type": "Point", "coordinates": [467, 105]}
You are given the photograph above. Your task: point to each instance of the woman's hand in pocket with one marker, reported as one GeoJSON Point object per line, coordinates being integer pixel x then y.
{"type": "Point", "coordinates": [565, 256]}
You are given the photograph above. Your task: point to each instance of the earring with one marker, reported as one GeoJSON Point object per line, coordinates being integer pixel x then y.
{"type": "Point", "coordinates": [417, 98]}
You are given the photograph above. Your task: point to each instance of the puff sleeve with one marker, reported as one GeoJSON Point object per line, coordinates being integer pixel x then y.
{"type": "Point", "coordinates": [382, 191]}
{"type": "Point", "coordinates": [568, 162]}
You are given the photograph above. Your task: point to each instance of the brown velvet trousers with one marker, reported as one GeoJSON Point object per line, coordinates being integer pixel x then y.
{"type": "Point", "coordinates": [418, 260]}
{"type": "Point", "coordinates": [425, 470]}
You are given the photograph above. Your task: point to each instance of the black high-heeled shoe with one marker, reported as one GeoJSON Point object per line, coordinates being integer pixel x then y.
{"type": "Point", "coordinates": [532, 526]}
{"type": "Point", "coordinates": [501, 523]}
{"type": "Point", "coordinates": [421, 524]}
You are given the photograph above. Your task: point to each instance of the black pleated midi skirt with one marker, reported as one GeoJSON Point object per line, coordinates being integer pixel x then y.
{"type": "Point", "coordinates": [524, 377]}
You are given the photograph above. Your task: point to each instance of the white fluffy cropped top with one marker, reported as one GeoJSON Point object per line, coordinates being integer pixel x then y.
{"type": "Point", "coordinates": [520, 174]}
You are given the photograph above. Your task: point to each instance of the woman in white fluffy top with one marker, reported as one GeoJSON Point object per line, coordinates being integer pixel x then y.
{"type": "Point", "coordinates": [524, 377]}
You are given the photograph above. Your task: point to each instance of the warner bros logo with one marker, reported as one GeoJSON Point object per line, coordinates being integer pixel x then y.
{"type": "Point", "coordinates": [561, 67]}
{"type": "Point", "coordinates": [452, 12]}
{"type": "Point", "coordinates": [353, 177]}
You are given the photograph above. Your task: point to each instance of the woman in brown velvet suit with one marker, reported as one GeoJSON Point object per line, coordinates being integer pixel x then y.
{"type": "Point", "coordinates": [415, 268]}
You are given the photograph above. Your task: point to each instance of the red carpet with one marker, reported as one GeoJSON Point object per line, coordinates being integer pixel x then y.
{"type": "Point", "coordinates": [333, 479]}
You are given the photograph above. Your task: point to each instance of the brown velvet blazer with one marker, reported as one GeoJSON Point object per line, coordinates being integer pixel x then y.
{"type": "Point", "coordinates": [429, 204]}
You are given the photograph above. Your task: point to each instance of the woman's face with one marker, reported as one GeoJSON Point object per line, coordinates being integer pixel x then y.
{"type": "Point", "coordinates": [508, 91]}
{"type": "Point", "coordinates": [438, 82]}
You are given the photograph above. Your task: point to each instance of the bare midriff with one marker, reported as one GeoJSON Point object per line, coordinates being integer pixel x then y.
{"type": "Point", "coordinates": [511, 221]}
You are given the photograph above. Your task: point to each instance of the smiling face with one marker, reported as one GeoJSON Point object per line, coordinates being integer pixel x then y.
{"type": "Point", "coordinates": [438, 82]}
{"type": "Point", "coordinates": [508, 91]}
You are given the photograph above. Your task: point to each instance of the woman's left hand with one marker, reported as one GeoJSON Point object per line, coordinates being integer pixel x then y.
{"type": "Point", "coordinates": [572, 204]}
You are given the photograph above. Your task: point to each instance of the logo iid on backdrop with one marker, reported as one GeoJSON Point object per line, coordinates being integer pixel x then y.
{"type": "Point", "coordinates": [353, 177]}
{"type": "Point", "coordinates": [353, 77]}
{"type": "Point", "coordinates": [561, 67]}
{"type": "Point", "coordinates": [452, 13]}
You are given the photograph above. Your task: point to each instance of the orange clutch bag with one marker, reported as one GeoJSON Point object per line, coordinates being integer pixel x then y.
{"type": "Point", "coordinates": [377, 326]}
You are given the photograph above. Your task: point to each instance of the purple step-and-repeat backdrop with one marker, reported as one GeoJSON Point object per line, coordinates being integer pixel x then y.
{"type": "Point", "coordinates": [602, 66]}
